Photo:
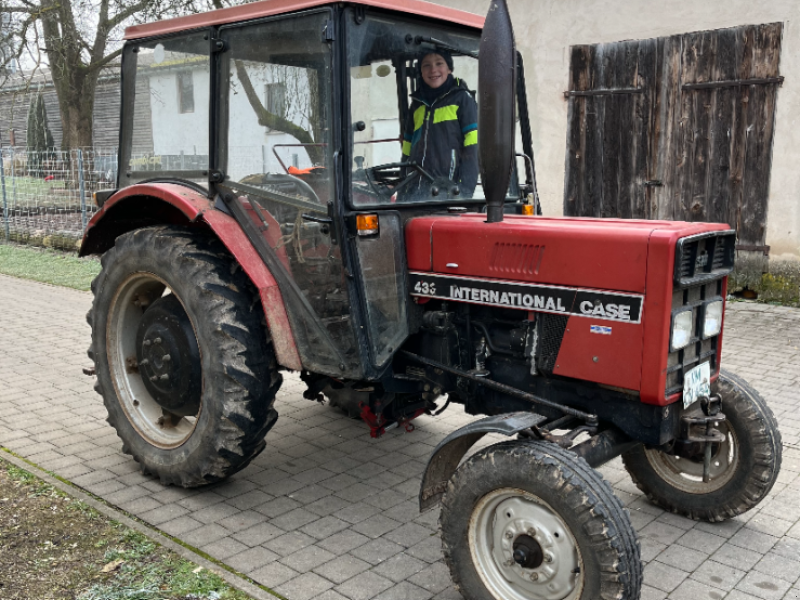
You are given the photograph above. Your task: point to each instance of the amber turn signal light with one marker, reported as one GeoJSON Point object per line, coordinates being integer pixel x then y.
{"type": "Point", "coordinates": [367, 224]}
{"type": "Point", "coordinates": [527, 209]}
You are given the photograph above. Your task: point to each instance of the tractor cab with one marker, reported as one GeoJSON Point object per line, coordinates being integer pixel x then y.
{"type": "Point", "coordinates": [300, 190]}
{"type": "Point", "coordinates": [313, 147]}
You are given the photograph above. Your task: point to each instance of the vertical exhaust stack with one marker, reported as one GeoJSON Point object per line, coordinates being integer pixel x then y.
{"type": "Point", "coordinates": [497, 87]}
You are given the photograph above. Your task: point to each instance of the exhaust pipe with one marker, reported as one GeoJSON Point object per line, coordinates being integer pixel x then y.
{"type": "Point", "coordinates": [497, 86]}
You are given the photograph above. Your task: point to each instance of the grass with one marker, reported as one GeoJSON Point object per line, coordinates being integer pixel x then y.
{"type": "Point", "coordinates": [48, 266]}
{"type": "Point", "coordinates": [31, 192]}
{"type": "Point", "coordinates": [57, 546]}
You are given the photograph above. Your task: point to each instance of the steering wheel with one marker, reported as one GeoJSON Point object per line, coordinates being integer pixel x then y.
{"type": "Point", "coordinates": [279, 179]}
{"type": "Point", "coordinates": [387, 180]}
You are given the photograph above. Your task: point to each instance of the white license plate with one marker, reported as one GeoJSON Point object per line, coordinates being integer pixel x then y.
{"type": "Point", "coordinates": [696, 383]}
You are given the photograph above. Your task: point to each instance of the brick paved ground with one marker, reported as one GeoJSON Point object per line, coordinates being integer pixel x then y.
{"type": "Point", "coordinates": [328, 513]}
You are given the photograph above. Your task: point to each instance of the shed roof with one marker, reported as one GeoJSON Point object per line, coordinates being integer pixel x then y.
{"type": "Point", "coordinates": [265, 8]}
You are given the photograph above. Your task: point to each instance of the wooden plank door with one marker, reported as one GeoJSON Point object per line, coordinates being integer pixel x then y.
{"type": "Point", "coordinates": [697, 130]}
{"type": "Point", "coordinates": [610, 123]}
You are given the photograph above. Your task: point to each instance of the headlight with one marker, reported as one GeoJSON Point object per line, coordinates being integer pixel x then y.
{"type": "Point", "coordinates": [682, 328]}
{"type": "Point", "coordinates": [713, 319]}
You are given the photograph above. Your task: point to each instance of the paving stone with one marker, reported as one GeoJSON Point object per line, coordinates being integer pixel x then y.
{"type": "Point", "coordinates": [753, 540]}
{"type": "Point", "coordinates": [682, 558]}
{"type": "Point", "coordinates": [400, 567]}
{"type": "Point", "coordinates": [324, 527]}
{"type": "Point", "coordinates": [206, 534]}
{"type": "Point", "coordinates": [180, 526]}
{"type": "Point", "coordinates": [404, 591]}
{"type": "Point", "coordinates": [718, 575]}
{"type": "Point", "coordinates": [308, 558]}
{"type": "Point", "coordinates": [364, 586]}
{"type": "Point", "coordinates": [694, 590]}
{"type": "Point", "coordinates": [286, 544]}
{"type": "Point", "coordinates": [663, 576]}
{"type": "Point", "coordinates": [701, 541]}
{"type": "Point", "coordinates": [377, 551]}
{"type": "Point", "coordinates": [736, 557]}
{"type": "Point", "coordinates": [258, 534]}
{"type": "Point", "coordinates": [763, 586]}
{"type": "Point", "coordinates": [409, 534]}
{"type": "Point", "coordinates": [344, 541]}
{"type": "Point", "coordinates": [304, 587]}
{"type": "Point", "coordinates": [253, 559]}
{"type": "Point", "coordinates": [224, 548]}
{"type": "Point", "coordinates": [250, 500]}
{"type": "Point", "coordinates": [342, 568]}
{"type": "Point", "coordinates": [273, 574]}
{"type": "Point", "coordinates": [434, 578]}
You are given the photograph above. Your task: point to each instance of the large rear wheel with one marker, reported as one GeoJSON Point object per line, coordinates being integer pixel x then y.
{"type": "Point", "coordinates": [743, 468]}
{"type": "Point", "coordinates": [182, 355]}
{"type": "Point", "coordinates": [532, 521]}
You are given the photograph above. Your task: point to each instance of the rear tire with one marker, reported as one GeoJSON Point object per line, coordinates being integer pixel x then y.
{"type": "Point", "coordinates": [578, 538]}
{"type": "Point", "coordinates": [237, 375]}
{"type": "Point", "coordinates": [744, 468]}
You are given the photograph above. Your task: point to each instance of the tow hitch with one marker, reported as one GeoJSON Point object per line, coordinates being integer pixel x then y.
{"type": "Point", "coordinates": [700, 433]}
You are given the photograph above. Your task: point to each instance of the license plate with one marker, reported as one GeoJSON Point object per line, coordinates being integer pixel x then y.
{"type": "Point", "coordinates": [696, 383]}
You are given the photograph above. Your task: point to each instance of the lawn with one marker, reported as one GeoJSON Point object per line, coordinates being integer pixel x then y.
{"type": "Point", "coordinates": [53, 546]}
{"type": "Point", "coordinates": [48, 266]}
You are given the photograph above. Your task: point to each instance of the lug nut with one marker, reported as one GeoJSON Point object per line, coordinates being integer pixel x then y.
{"type": "Point", "coordinates": [157, 341]}
{"type": "Point", "coordinates": [164, 377]}
{"type": "Point", "coordinates": [509, 534]}
{"type": "Point", "coordinates": [154, 378]}
{"type": "Point", "coordinates": [532, 532]}
{"type": "Point", "coordinates": [534, 576]}
{"type": "Point", "coordinates": [146, 343]}
{"type": "Point", "coordinates": [166, 358]}
{"type": "Point", "coordinates": [509, 563]}
{"type": "Point", "coordinates": [144, 362]}
{"type": "Point", "coordinates": [548, 558]}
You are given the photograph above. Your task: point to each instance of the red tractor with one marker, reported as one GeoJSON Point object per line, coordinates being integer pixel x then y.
{"type": "Point", "coordinates": [267, 217]}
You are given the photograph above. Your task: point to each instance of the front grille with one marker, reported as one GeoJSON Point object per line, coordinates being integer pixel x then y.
{"type": "Point", "coordinates": [704, 257]}
{"type": "Point", "coordinates": [698, 350]}
{"type": "Point", "coordinates": [551, 333]}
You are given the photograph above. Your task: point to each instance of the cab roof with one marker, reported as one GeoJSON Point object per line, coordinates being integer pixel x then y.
{"type": "Point", "coordinates": [266, 8]}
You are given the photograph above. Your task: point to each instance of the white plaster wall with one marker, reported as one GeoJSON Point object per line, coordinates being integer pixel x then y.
{"type": "Point", "coordinates": [174, 131]}
{"type": "Point", "coordinates": [545, 29]}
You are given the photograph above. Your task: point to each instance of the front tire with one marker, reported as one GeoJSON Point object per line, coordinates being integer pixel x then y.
{"type": "Point", "coordinates": [530, 520]}
{"type": "Point", "coordinates": [743, 469]}
{"type": "Point", "coordinates": [182, 355]}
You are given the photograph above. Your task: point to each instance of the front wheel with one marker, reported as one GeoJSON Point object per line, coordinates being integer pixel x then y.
{"type": "Point", "coordinates": [532, 521]}
{"type": "Point", "coordinates": [182, 356]}
{"type": "Point", "coordinates": [743, 468]}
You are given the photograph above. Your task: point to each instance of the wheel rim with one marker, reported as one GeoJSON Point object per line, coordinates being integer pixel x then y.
{"type": "Point", "coordinates": [687, 474]}
{"type": "Point", "coordinates": [508, 520]}
{"type": "Point", "coordinates": [156, 425]}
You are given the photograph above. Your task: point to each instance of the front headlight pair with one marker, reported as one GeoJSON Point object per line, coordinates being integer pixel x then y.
{"type": "Point", "coordinates": [683, 324]}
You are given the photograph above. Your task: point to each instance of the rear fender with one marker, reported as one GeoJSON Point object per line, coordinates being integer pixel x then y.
{"type": "Point", "coordinates": [451, 450]}
{"type": "Point", "coordinates": [173, 204]}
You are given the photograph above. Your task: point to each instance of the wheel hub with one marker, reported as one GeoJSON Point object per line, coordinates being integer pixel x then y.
{"type": "Point", "coordinates": [524, 549]}
{"type": "Point", "coordinates": [168, 357]}
{"type": "Point", "coordinates": [527, 552]}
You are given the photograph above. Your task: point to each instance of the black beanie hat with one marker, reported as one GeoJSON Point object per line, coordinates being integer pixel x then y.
{"type": "Point", "coordinates": [448, 58]}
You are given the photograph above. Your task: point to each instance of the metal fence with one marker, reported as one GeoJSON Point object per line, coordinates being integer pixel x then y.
{"type": "Point", "coordinates": [47, 196]}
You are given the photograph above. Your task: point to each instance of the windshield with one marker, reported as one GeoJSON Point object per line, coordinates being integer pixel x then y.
{"type": "Point", "coordinates": [414, 113]}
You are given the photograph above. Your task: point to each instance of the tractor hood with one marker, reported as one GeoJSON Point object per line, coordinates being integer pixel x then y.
{"type": "Point", "coordinates": [608, 254]}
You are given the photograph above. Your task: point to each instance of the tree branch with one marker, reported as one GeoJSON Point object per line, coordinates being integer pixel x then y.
{"type": "Point", "coordinates": [273, 121]}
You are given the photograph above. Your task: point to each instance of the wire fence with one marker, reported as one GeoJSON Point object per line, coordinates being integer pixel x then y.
{"type": "Point", "coordinates": [47, 196]}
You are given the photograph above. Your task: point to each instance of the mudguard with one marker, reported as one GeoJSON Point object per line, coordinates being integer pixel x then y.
{"type": "Point", "coordinates": [451, 450]}
{"type": "Point", "coordinates": [171, 203]}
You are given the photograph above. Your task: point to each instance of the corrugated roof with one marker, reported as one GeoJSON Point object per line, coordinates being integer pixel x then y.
{"type": "Point", "coordinates": [265, 8]}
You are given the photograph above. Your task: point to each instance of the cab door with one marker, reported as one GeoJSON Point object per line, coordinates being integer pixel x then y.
{"type": "Point", "coordinates": [277, 158]}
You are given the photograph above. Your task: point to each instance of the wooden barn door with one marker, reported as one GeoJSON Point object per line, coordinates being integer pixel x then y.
{"type": "Point", "coordinates": [676, 128]}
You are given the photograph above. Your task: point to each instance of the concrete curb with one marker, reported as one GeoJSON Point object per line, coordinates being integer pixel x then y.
{"type": "Point", "coordinates": [234, 580]}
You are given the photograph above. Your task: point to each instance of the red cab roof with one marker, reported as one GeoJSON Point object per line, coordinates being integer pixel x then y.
{"type": "Point", "coordinates": [265, 8]}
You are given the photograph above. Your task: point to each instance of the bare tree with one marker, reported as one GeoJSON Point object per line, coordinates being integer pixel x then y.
{"type": "Point", "coordinates": [76, 39]}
